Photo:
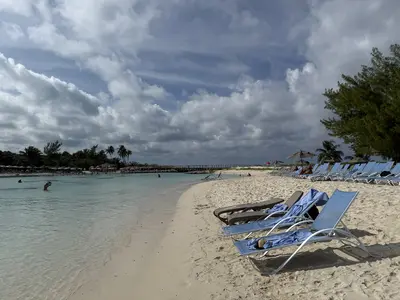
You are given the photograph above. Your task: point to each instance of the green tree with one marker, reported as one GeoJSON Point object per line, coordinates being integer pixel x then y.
{"type": "Point", "coordinates": [122, 152]}
{"type": "Point", "coordinates": [366, 107]}
{"type": "Point", "coordinates": [8, 158]}
{"type": "Point", "coordinates": [66, 159]}
{"type": "Point", "coordinates": [32, 156]}
{"type": "Point", "coordinates": [52, 148]}
{"type": "Point", "coordinates": [329, 151]}
{"type": "Point", "coordinates": [53, 157]}
{"type": "Point", "coordinates": [128, 153]}
{"type": "Point", "coordinates": [110, 151]}
{"type": "Point", "coordinates": [52, 151]}
{"type": "Point", "coordinates": [93, 151]}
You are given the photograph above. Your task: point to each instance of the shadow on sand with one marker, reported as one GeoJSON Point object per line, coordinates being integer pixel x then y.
{"type": "Point", "coordinates": [326, 258]}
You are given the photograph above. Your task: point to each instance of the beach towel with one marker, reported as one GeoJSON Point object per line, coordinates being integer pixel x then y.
{"type": "Point", "coordinates": [286, 238]}
{"type": "Point", "coordinates": [304, 203]}
{"type": "Point", "coordinates": [297, 212]}
{"type": "Point", "coordinates": [276, 208]}
{"type": "Point", "coordinates": [299, 208]}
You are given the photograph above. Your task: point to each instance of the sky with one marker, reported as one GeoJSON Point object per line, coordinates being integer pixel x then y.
{"type": "Point", "coordinates": [181, 81]}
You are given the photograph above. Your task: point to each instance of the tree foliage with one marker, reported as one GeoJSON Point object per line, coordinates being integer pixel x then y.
{"type": "Point", "coordinates": [329, 152]}
{"type": "Point", "coordinates": [110, 150]}
{"type": "Point", "coordinates": [366, 107]}
{"type": "Point", "coordinates": [53, 156]}
{"type": "Point", "coordinates": [122, 152]}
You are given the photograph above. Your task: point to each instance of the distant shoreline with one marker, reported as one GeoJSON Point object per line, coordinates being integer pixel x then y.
{"type": "Point", "coordinates": [8, 175]}
{"type": "Point", "coordinates": [85, 173]}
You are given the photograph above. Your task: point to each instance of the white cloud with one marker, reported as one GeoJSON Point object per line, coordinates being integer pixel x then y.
{"type": "Point", "coordinates": [257, 120]}
{"type": "Point", "coordinates": [20, 7]}
{"type": "Point", "coordinates": [14, 31]}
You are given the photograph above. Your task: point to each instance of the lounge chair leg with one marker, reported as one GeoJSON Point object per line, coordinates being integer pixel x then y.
{"type": "Point", "coordinates": [333, 230]}
{"type": "Point", "coordinates": [247, 236]}
{"type": "Point", "coordinates": [290, 257]}
{"type": "Point", "coordinates": [359, 243]}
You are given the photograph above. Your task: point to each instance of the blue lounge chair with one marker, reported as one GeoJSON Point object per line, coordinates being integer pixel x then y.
{"type": "Point", "coordinates": [347, 173]}
{"type": "Point", "coordinates": [364, 169]}
{"type": "Point", "coordinates": [375, 171]}
{"type": "Point", "coordinates": [395, 180]}
{"type": "Point", "coordinates": [297, 172]}
{"type": "Point", "coordinates": [371, 168]}
{"type": "Point", "coordinates": [381, 168]}
{"type": "Point", "coordinates": [315, 170]}
{"type": "Point", "coordinates": [336, 168]}
{"type": "Point", "coordinates": [298, 212]}
{"type": "Point", "coordinates": [394, 173]}
{"type": "Point", "coordinates": [323, 229]}
{"type": "Point", "coordinates": [342, 172]}
{"type": "Point", "coordinates": [323, 170]}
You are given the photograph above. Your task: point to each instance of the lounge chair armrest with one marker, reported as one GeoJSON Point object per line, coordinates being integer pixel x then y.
{"type": "Point", "coordinates": [274, 214]}
{"type": "Point", "coordinates": [300, 223]}
{"type": "Point", "coordinates": [374, 174]}
{"type": "Point", "coordinates": [282, 221]}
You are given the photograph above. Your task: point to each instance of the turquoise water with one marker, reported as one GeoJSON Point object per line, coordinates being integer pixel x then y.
{"type": "Point", "coordinates": [49, 241]}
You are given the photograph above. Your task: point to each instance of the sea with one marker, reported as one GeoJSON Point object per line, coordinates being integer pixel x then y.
{"type": "Point", "coordinates": [51, 242]}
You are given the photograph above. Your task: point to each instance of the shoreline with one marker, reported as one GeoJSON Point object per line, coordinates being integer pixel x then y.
{"type": "Point", "coordinates": [12, 175]}
{"type": "Point", "coordinates": [130, 271]}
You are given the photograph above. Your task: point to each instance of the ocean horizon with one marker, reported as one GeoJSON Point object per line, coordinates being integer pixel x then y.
{"type": "Point", "coordinates": [51, 242]}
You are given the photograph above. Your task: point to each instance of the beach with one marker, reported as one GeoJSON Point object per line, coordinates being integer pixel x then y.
{"type": "Point", "coordinates": [192, 260]}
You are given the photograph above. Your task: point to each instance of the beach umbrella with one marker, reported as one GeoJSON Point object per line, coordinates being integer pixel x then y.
{"type": "Point", "coordinates": [301, 155]}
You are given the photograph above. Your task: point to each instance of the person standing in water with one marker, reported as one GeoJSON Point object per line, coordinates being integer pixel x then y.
{"type": "Point", "coordinates": [46, 186]}
{"type": "Point", "coordinates": [158, 175]}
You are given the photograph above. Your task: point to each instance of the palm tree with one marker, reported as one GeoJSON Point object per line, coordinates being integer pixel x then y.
{"type": "Point", "coordinates": [93, 151]}
{"type": "Point", "coordinates": [52, 148]}
{"type": "Point", "coordinates": [122, 152]}
{"type": "Point", "coordinates": [329, 151]}
{"type": "Point", "coordinates": [32, 155]}
{"type": "Point", "coordinates": [52, 151]}
{"type": "Point", "coordinates": [128, 153]}
{"type": "Point", "coordinates": [110, 150]}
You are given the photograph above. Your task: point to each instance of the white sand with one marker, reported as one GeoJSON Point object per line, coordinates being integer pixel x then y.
{"type": "Point", "coordinates": [193, 260]}
{"type": "Point", "coordinates": [253, 172]}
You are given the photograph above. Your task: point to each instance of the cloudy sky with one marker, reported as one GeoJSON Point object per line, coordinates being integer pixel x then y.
{"type": "Point", "coordinates": [181, 81]}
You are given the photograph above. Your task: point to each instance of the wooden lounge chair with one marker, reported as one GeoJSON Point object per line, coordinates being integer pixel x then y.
{"type": "Point", "coordinates": [223, 213]}
{"type": "Point", "coordinates": [249, 216]}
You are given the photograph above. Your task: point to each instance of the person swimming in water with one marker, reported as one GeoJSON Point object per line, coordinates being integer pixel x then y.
{"type": "Point", "coordinates": [20, 181]}
{"type": "Point", "coordinates": [46, 186]}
